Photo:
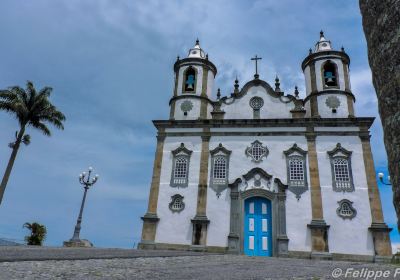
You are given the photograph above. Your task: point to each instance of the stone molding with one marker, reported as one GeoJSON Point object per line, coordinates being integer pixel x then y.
{"type": "Point", "coordinates": [195, 61]}
{"type": "Point", "coordinates": [330, 91]}
{"type": "Point", "coordinates": [346, 155]}
{"type": "Point", "coordinates": [278, 205]}
{"type": "Point", "coordinates": [297, 190]}
{"type": "Point", "coordinates": [330, 54]}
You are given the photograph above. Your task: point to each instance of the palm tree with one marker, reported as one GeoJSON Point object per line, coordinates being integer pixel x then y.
{"type": "Point", "coordinates": [30, 108]}
{"type": "Point", "coordinates": [38, 233]}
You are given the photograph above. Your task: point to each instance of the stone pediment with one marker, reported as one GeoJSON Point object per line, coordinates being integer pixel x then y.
{"type": "Point", "coordinates": [261, 83]}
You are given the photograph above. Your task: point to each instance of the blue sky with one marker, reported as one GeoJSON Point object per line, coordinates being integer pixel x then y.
{"type": "Point", "coordinates": [110, 64]}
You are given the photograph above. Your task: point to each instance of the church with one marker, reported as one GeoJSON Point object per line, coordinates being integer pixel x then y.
{"type": "Point", "coordinates": [263, 173]}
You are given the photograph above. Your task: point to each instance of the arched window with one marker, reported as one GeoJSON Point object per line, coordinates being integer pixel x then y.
{"type": "Point", "coordinates": [180, 167]}
{"type": "Point", "coordinates": [341, 169]}
{"type": "Point", "coordinates": [330, 74]}
{"type": "Point", "coordinates": [190, 80]}
{"type": "Point", "coordinates": [219, 169]}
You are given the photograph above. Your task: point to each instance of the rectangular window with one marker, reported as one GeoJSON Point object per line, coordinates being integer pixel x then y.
{"type": "Point", "coordinates": [342, 175]}
{"type": "Point", "coordinates": [296, 171]}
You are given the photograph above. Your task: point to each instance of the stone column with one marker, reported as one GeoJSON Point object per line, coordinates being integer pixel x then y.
{"type": "Point", "coordinates": [313, 99]}
{"type": "Point", "coordinates": [282, 239]}
{"type": "Point", "coordinates": [204, 103]}
{"type": "Point", "coordinates": [380, 231]}
{"type": "Point", "coordinates": [318, 227]}
{"type": "Point", "coordinates": [200, 221]}
{"type": "Point", "coordinates": [150, 219]}
{"type": "Point", "coordinates": [172, 109]}
{"type": "Point", "coordinates": [234, 231]}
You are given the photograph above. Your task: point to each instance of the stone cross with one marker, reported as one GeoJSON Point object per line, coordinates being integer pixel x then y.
{"type": "Point", "coordinates": [256, 58]}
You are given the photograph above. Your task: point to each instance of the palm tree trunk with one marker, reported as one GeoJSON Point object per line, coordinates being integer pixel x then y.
{"type": "Point", "coordinates": [11, 163]}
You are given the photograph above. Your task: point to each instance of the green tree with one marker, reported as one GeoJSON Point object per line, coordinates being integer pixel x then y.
{"type": "Point", "coordinates": [38, 233]}
{"type": "Point", "coordinates": [30, 108]}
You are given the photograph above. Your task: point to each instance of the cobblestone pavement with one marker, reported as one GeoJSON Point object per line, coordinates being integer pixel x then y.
{"type": "Point", "coordinates": [189, 267]}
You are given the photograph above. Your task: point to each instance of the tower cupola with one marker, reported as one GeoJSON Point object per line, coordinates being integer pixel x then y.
{"type": "Point", "coordinates": [323, 44]}
{"type": "Point", "coordinates": [327, 78]}
{"type": "Point", "coordinates": [197, 51]}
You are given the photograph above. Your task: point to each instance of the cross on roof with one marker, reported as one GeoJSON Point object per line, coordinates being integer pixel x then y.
{"type": "Point", "coordinates": [256, 58]}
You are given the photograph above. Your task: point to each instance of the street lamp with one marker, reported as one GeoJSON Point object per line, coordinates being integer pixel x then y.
{"type": "Point", "coordinates": [87, 182]}
{"type": "Point", "coordinates": [380, 175]}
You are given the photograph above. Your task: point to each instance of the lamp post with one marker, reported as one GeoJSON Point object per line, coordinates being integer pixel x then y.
{"type": "Point", "coordinates": [85, 180]}
{"type": "Point", "coordinates": [380, 175]}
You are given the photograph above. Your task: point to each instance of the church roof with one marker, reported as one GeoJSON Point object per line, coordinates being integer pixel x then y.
{"type": "Point", "coordinates": [323, 44]}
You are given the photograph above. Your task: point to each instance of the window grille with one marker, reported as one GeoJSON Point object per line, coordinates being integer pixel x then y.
{"type": "Point", "coordinates": [256, 151]}
{"type": "Point", "coordinates": [176, 204]}
{"type": "Point", "coordinates": [296, 171]}
{"type": "Point", "coordinates": [342, 175]}
{"type": "Point", "coordinates": [219, 172]}
{"type": "Point", "coordinates": [180, 172]}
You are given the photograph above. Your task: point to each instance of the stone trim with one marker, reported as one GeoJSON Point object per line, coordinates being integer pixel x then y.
{"type": "Point", "coordinates": [179, 152]}
{"type": "Point", "coordinates": [350, 205]}
{"type": "Point", "coordinates": [331, 54]}
{"type": "Point", "coordinates": [200, 221]}
{"type": "Point", "coordinates": [346, 77]}
{"type": "Point", "coordinates": [173, 198]}
{"type": "Point", "coordinates": [350, 106]}
{"type": "Point", "coordinates": [296, 189]}
{"type": "Point", "coordinates": [219, 151]}
{"type": "Point", "coordinates": [268, 89]}
{"type": "Point", "coordinates": [265, 133]}
{"type": "Point", "coordinates": [305, 122]}
{"type": "Point", "coordinates": [329, 91]}
{"type": "Point", "coordinates": [250, 148]}
{"type": "Point", "coordinates": [314, 89]}
{"type": "Point", "coordinates": [325, 87]}
{"type": "Point", "coordinates": [195, 61]}
{"type": "Point", "coordinates": [315, 187]}
{"type": "Point", "coordinates": [347, 156]}
{"type": "Point", "coordinates": [380, 231]}
{"type": "Point", "coordinates": [278, 206]}
{"type": "Point", "coordinates": [196, 77]}
{"type": "Point", "coordinates": [203, 103]}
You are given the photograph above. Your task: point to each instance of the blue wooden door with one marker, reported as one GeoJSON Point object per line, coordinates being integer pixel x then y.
{"type": "Point", "coordinates": [257, 227]}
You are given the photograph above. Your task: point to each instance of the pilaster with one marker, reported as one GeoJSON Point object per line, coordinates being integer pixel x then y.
{"type": "Point", "coordinates": [313, 99]}
{"type": "Point", "coordinates": [203, 104]}
{"type": "Point", "coordinates": [318, 227]}
{"type": "Point", "coordinates": [379, 229]}
{"type": "Point", "coordinates": [150, 219]}
{"type": "Point", "coordinates": [200, 221]}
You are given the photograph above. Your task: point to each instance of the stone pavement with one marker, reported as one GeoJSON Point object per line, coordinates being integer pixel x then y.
{"type": "Point", "coordinates": [137, 264]}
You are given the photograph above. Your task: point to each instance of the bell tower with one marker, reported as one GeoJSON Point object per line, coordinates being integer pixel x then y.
{"type": "Point", "coordinates": [327, 78]}
{"type": "Point", "coordinates": [194, 80]}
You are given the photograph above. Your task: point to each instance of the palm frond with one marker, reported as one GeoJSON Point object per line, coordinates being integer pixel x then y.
{"type": "Point", "coordinates": [42, 127]}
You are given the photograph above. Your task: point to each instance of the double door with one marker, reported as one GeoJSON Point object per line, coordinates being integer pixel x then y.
{"type": "Point", "coordinates": [257, 227]}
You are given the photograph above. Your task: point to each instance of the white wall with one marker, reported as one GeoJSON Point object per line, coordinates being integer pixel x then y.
{"type": "Point", "coordinates": [273, 107]}
{"type": "Point", "coordinates": [176, 228]}
{"type": "Point", "coordinates": [193, 114]}
{"type": "Point", "coordinates": [345, 236]}
{"type": "Point", "coordinates": [325, 112]}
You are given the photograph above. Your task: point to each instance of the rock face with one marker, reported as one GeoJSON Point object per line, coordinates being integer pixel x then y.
{"type": "Point", "coordinates": [381, 23]}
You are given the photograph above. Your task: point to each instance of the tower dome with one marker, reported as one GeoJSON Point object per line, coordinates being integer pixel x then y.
{"type": "Point", "coordinates": [197, 51]}
{"type": "Point", "coordinates": [323, 44]}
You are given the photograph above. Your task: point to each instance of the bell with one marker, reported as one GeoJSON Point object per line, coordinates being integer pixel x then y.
{"type": "Point", "coordinates": [190, 86]}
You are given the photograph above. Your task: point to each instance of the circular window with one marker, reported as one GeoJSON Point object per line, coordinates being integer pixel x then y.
{"type": "Point", "coordinates": [256, 103]}
{"type": "Point", "coordinates": [324, 44]}
{"type": "Point", "coordinates": [194, 52]}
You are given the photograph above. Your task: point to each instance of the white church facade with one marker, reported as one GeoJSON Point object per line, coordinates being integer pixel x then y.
{"type": "Point", "coordinates": [264, 173]}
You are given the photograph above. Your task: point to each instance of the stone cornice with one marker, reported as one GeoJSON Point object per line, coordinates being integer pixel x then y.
{"type": "Point", "coordinates": [325, 55]}
{"type": "Point", "coordinates": [195, 61]}
{"type": "Point", "coordinates": [300, 122]}
{"type": "Point", "coordinates": [334, 91]}
{"type": "Point", "coordinates": [188, 95]}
